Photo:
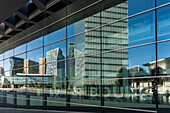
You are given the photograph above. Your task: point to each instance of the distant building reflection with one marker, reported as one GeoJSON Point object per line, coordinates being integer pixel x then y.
{"type": "Point", "coordinates": [54, 64]}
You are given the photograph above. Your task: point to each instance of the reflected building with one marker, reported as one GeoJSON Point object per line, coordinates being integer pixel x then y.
{"type": "Point", "coordinates": [113, 36]}
{"type": "Point", "coordinates": [42, 65]}
{"type": "Point", "coordinates": [28, 69]}
{"type": "Point", "coordinates": [163, 64]}
{"type": "Point", "coordinates": [137, 71]}
{"type": "Point", "coordinates": [15, 63]}
{"type": "Point", "coordinates": [25, 64]}
{"type": "Point", "coordinates": [163, 82]}
{"type": "Point", "coordinates": [108, 55]}
{"type": "Point", "coordinates": [71, 62]}
{"type": "Point", "coordinates": [54, 66]}
{"type": "Point", "coordinates": [1, 71]}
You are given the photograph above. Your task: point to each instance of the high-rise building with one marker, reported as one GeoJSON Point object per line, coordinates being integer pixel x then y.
{"type": "Point", "coordinates": [113, 36]}
{"type": "Point", "coordinates": [42, 66]}
{"type": "Point", "coordinates": [71, 62]}
{"type": "Point", "coordinates": [27, 67]}
{"type": "Point", "coordinates": [54, 67]}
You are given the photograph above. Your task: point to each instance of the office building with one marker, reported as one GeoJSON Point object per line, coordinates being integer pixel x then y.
{"type": "Point", "coordinates": [100, 56]}
{"type": "Point", "coordinates": [54, 65]}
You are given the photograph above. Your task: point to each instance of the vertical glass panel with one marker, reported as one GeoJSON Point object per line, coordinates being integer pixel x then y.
{"type": "Point", "coordinates": [10, 99]}
{"type": "Point", "coordinates": [163, 63]}
{"type": "Point", "coordinates": [161, 2]}
{"type": "Point", "coordinates": [137, 6]}
{"type": "Point", "coordinates": [19, 81]}
{"type": "Point", "coordinates": [163, 57]}
{"type": "Point", "coordinates": [35, 44]}
{"type": "Point", "coordinates": [34, 85]}
{"type": "Point", "coordinates": [54, 64]}
{"type": "Point", "coordinates": [55, 73]}
{"type": "Point", "coordinates": [123, 83]}
{"type": "Point", "coordinates": [20, 49]}
{"type": "Point", "coordinates": [84, 81]}
{"type": "Point", "coordinates": [34, 57]}
{"type": "Point", "coordinates": [21, 100]}
{"type": "Point", "coordinates": [163, 15]}
{"type": "Point", "coordinates": [56, 89]}
{"type": "Point", "coordinates": [141, 29]}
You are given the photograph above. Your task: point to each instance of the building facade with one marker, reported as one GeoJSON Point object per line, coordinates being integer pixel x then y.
{"type": "Point", "coordinates": [100, 56]}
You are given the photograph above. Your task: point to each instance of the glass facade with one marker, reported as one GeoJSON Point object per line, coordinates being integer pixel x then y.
{"type": "Point", "coordinates": [108, 55]}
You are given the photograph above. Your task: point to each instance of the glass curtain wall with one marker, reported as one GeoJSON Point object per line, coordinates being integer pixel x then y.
{"type": "Point", "coordinates": [93, 56]}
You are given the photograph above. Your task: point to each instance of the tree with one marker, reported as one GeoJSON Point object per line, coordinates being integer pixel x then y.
{"type": "Point", "coordinates": [8, 85]}
{"type": "Point", "coordinates": [31, 84]}
{"type": "Point", "coordinates": [40, 85]}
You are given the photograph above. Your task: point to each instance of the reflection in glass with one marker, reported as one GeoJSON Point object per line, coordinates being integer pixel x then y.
{"type": "Point", "coordinates": [70, 70]}
{"type": "Point", "coordinates": [55, 36]}
{"type": "Point", "coordinates": [8, 53]}
{"type": "Point", "coordinates": [163, 57]}
{"type": "Point", "coordinates": [141, 29]}
{"type": "Point", "coordinates": [20, 49]}
{"type": "Point", "coordinates": [35, 44]}
{"type": "Point", "coordinates": [163, 23]}
{"type": "Point", "coordinates": [118, 84]}
{"type": "Point", "coordinates": [161, 2]}
{"type": "Point", "coordinates": [137, 6]}
{"type": "Point", "coordinates": [140, 58]}
{"type": "Point", "coordinates": [34, 57]}
{"type": "Point", "coordinates": [7, 67]}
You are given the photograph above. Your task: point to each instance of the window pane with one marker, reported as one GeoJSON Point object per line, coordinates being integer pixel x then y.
{"type": "Point", "coordinates": [163, 23]}
{"type": "Point", "coordinates": [123, 82]}
{"type": "Point", "coordinates": [8, 53]}
{"type": "Point", "coordinates": [161, 2]}
{"type": "Point", "coordinates": [137, 6]}
{"type": "Point", "coordinates": [34, 57]}
{"type": "Point", "coordinates": [141, 29]}
{"type": "Point", "coordinates": [164, 72]}
{"type": "Point", "coordinates": [35, 44]}
{"type": "Point", "coordinates": [20, 49]}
